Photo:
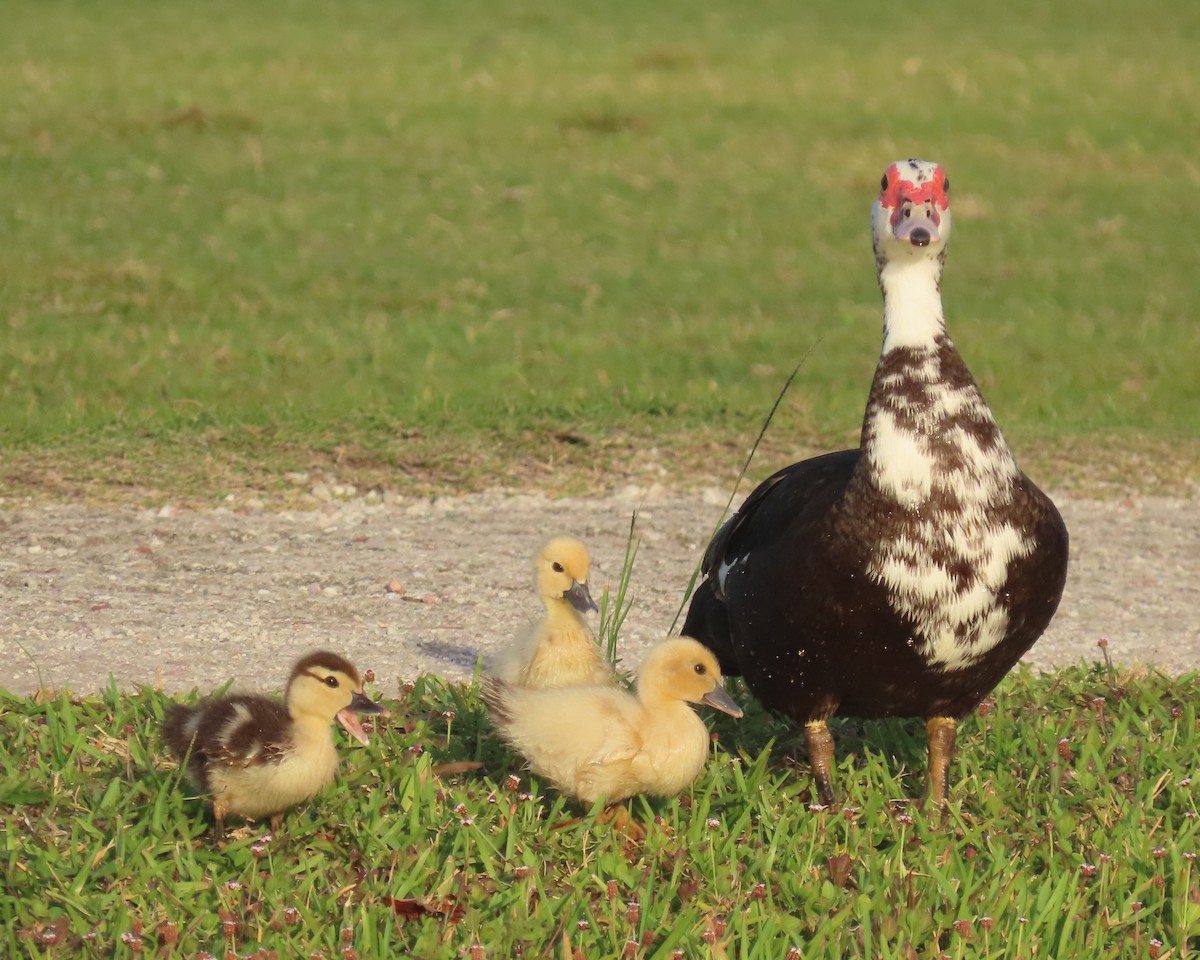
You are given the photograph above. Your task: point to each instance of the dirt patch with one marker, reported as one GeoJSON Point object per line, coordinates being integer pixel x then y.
{"type": "Point", "coordinates": [191, 598]}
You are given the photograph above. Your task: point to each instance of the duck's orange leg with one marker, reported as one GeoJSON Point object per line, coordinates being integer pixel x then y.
{"type": "Point", "coordinates": [940, 734]}
{"type": "Point", "coordinates": [820, 757]}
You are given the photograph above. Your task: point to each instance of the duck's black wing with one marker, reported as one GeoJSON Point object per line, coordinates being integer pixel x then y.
{"type": "Point", "coordinates": [777, 509]}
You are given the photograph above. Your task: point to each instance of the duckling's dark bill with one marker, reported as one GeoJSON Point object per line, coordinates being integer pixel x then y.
{"type": "Point", "coordinates": [348, 717]}
{"type": "Point", "coordinates": [717, 697]}
{"type": "Point", "coordinates": [581, 598]}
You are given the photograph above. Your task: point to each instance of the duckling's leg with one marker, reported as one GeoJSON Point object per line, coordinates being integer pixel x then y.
{"type": "Point", "coordinates": [820, 757]}
{"type": "Point", "coordinates": [220, 809]}
{"type": "Point", "coordinates": [940, 733]}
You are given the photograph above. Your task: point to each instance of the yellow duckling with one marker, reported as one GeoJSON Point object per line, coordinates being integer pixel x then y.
{"type": "Point", "coordinates": [601, 742]}
{"type": "Point", "coordinates": [560, 651]}
{"type": "Point", "coordinates": [254, 756]}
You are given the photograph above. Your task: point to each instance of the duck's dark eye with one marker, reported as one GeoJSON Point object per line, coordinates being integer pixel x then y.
{"type": "Point", "coordinates": [946, 185]}
{"type": "Point", "coordinates": [700, 669]}
{"type": "Point", "coordinates": [558, 567]}
{"type": "Point", "coordinates": [331, 682]}
{"type": "Point", "coordinates": [883, 183]}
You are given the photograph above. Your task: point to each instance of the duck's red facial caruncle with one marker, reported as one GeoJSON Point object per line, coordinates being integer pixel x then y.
{"type": "Point", "coordinates": [915, 196]}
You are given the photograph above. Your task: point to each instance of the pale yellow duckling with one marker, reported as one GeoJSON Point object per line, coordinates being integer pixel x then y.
{"type": "Point", "coordinates": [601, 742]}
{"type": "Point", "coordinates": [255, 756]}
{"type": "Point", "coordinates": [560, 651]}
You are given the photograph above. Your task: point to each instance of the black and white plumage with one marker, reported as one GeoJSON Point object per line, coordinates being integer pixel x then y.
{"type": "Point", "coordinates": [255, 756]}
{"type": "Point", "coordinates": [908, 576]}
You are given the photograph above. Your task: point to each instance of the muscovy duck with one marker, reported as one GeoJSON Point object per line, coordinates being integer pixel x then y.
{"type": "Point", "coordinates": [904, 578]}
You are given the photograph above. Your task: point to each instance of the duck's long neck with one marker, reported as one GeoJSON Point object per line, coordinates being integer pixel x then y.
{"type": "Point", "coordinates": [912, 303]}
{"type": "Point", "coordinates": [927, 433]}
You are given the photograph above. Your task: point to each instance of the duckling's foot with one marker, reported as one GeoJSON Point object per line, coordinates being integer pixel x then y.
{"type": "Point", "coordinates": [940, 734]}
{"type": "Point", "coordinates": [619, 817]}
{"type": "Point", "coordinates": [820, 757]}
{"type": "Point", "coordinates": [276, 822]}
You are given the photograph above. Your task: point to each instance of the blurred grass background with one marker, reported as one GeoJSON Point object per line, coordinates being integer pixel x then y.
{"type": "Point", "coordinates": [440, 245]}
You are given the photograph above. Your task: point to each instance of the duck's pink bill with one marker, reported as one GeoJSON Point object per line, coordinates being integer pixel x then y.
{"type": "Point", "coordinates": [349, 720]}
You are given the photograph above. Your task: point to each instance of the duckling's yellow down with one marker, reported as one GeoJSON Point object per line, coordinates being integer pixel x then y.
{"type": "Point", "coordinates": [601, 742]}
{"type": "Point", "coordinates": [560, 651]}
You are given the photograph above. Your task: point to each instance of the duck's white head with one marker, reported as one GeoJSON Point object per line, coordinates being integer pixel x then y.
{"type": "Point", "coordinates": [681, 668]}
{"type": "Point", "coordinates": [910, 225]}
{"type": "Point", "coordinates": [562, 573]}
{"type": "Point", "coordinates": [911, 217]}
{"type": "Point", "coordinates": [325, 687]}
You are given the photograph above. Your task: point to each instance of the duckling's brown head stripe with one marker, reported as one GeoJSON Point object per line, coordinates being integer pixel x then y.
{"type": "Point", "coordinates": [321, 663]}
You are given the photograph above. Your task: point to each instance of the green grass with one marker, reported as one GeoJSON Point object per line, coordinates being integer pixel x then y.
{"type": "Point", "coordinates": [401, 241]}
{"type": "Point", "coordinates": [105, 854]}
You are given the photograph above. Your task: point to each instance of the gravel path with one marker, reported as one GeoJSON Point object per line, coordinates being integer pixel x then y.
{"type": "Point", "coordinates": [188, 598]}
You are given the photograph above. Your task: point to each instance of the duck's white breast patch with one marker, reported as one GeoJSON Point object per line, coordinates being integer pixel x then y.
{"type": "Point", "coordinates": [948, 582]}
{"type": "Point", "coordinates": [905, 468]}
{"type": "Point", "coordinates": [946, 546]}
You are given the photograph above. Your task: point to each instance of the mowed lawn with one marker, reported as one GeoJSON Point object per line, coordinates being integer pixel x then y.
{"type": "Point", "coordinates": [1072, 832]}
{"type": "Point", "coordinates": [430, 244]}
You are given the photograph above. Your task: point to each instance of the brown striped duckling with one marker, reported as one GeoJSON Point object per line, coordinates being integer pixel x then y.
{"type": "Point", "coordinates": [560, 651]}
{"type": "Point", "coordinates": [254, 756]}
{"type": "Point", "coordinates": [602, 742]}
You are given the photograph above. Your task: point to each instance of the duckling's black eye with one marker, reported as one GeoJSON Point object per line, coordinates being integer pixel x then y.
{"type": "Point", "coordinates": [946, 185]}
{"type": "Point", "coordinates": [331, 682]}
{"type": "Point", "coordinates": [700, 669]}
{"type": "Point", "coordinates": [883, 183]}
{"type": "Point", "coordinates": [558, 567]}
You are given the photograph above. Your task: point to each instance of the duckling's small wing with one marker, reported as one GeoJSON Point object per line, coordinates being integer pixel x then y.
{"type": "Point", "coordinates": [581, 738]}
{"type": "Point", "coordinates": [244, 731]}
{"type": "Point", "coordinates": [612, 777]}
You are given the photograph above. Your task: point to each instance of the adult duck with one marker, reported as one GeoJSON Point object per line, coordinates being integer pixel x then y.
{"type": "Point", "coordinates": [904, 578]}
